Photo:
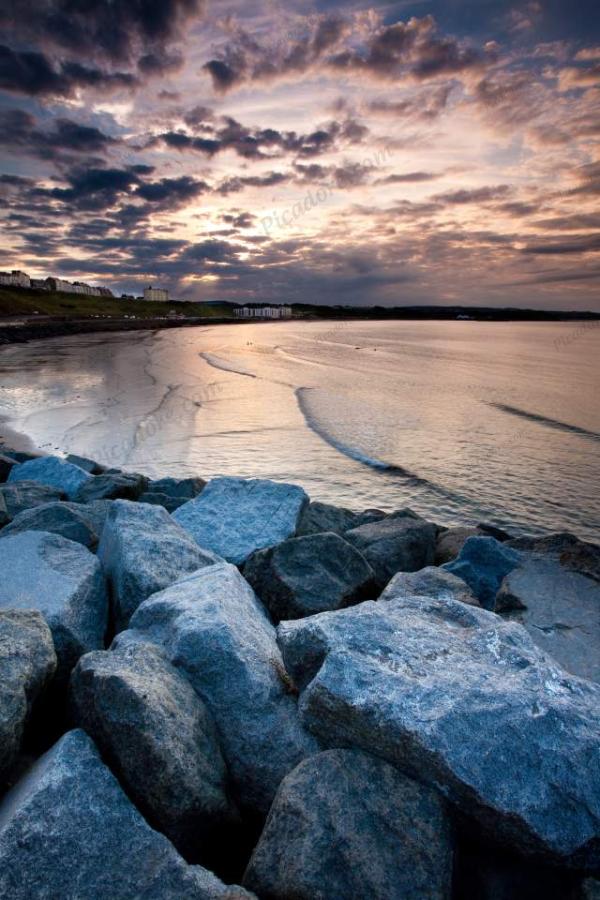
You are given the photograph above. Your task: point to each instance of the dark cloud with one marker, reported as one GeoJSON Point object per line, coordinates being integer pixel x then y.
{"type": "Point", "coordinates": [170, 190]}
{"type": "Point", "coordinates": [236, 184]}
{"type": "Point", "coordinates": [31, 72]}
{"type": "Point", "coordinates": [411, 49]}
{"type": "Point", "coordinates": [426, 106]}
{"type": "Point", "coordinates": [260, 143]}
{"type": "Point", "coordinates": [19, 133]}
{"type": "Point", "coordinates": [407, 177]}
{"type": "Point", "coordinates": [473, 195]}
{"type": "Point", "coordinates": [160, 63]}
{"type": "Point", "coordinates": [117, 31]}
{"type": "Point", "coordinates": [585, 244]}
{"type": "Point", "coordinates": [95, 188]}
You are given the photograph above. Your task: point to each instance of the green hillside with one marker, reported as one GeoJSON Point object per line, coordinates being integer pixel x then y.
{"type": "Point", "coordinates": [24, 302]}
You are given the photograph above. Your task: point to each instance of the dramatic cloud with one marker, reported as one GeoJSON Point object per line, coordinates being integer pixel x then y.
{"type": "Point", "coordinates": [269, 151]}
{"type": "Point", "coordinates": [32, 73]}
{"type": "Point", "coordinates": [259, 143]}
{"type": "Point", "coordinates": [19, 133]}
{"type": "Point", "coordinates": [115, 30]}
{"type": "Point", "coordinates": [412, 49]}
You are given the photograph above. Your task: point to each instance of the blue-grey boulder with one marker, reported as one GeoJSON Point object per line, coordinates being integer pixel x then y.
{"type": "Point", "coordinates": [4, 516]}
{"type": "Point", "coordinates": [159, 739]}
{"type": "Point", "coordinates": [68, 831]}
{"type": "Point", "coordinates": [214, 629]}
{"type": "Point", "coordinates": [236, 516]}
{"type": "Point", "coordinates": [347, 825]}
{"type": "Point", "coordinates": [88, 465]}
{"type": "Point", "coordinates": [458, 698]}
{"type": "Point", "coordinates": [66, 519]}
{"type": "Point", "coordinates": [310, 574]}
{"type": "Point", "coordinates": [177, 487]}
{"type": "Point", "coordinates": [26, 494]}
{"type": "Point", "coordinates": [572, 553]}
{"type": "Point", "coordinates": [27, 663]}
{"type": "Point", "coordinates": [318, 517]}
{"type": "Point", "coordinates": [126, 486]}
{"type": "Point", "coordinates": [62, 580]}
{"type": "Point", "coordinates": [450, 542]}
{"type": "Point", "coordinates": [142, 550]}
{"type": "Point", "coordinates": [483, 562]}
{"type": "Point", "coordinates": [432, 581]}
{"type": "Point", "coordinates": [51, 471]}
{"type": "Point", "coordinates": [559, 608]}
{"type": "Point", "coordinates": [170, 503]}
{"type": "Point", "coordinates": [590, 889]}
{"type": "Point", "coordinates": [403, 542]}
{"type": "Point", "coordinates": [6, 464]}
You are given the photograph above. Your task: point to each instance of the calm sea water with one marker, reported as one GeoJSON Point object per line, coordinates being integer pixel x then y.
{"type": "Point", "coordinates": [462, 421]}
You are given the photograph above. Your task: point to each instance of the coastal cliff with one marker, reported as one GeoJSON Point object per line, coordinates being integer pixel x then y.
{"type": "Point", "coordinates": [227, 690]}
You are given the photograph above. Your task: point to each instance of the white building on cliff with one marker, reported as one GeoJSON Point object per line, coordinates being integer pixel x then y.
{"type": "Point", "coordinates": [263, 312]}
{"type": "Point", "coordinates": [156, 294]}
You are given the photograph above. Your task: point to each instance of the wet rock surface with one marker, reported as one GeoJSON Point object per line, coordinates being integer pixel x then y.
{"type": "Point", "coordinates": [453, 696]}
{"type": "Point", "coordinates": [27, 664]}
{"type": "Point", "coordinates": [160, 740]}
{"type": "Point", "coordinates": [310, 574]}
{"type": "Point", "coordinates": [234, 517]}
{"type": "Point", "coordinates": [62, 580]}
{"type": "Point", "coordinates": [344, 824]}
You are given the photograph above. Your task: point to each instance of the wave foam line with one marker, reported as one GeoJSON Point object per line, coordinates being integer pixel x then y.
{"type": "Point", "coordinates": [372, 462]}
{"type": "Point", "coordinates": [218, 363]}
{"type": "Point", "coordinates": [544, 420]}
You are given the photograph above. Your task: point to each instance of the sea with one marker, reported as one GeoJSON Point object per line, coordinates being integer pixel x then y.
{"type": "Point", "coordinates": [462, 421]}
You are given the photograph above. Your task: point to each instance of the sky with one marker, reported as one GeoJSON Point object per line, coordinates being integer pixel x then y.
{"type": "Point", "coordinates": [443, 152]}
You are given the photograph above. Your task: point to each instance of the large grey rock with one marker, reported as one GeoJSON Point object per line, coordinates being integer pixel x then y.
{"type": "Point", "coordinates": [572, 553]}
{"type": "Point", "coordinates": [4, 516]}
{"type": "Point", "coordinates": [214, 629]}
{"type": "Point", "coordinates": [235, 516]}
{"type": "Point", "coordinates": [24, 495]}
{"type": "Point", "coordinates": [68, 831]}
{"type": "Point", "coordinates": [483, 873]}
{"type": "Point", "coordinates": [590, 889]}
{"type": "Point", "coordinates": [62, 580]}
{"type": "Point", "coordinates": [142, 551]}
{"type": "Point", "coordinates": [403, 542]}
{"type": "Point", "coordinates": [346, 825]}
{"type": "Point", "coordinates": [126, 486]}
{"type": "Point", "coordinates": [159, 739]}
{"type": "Point", "coordinates": [560, 609]}
{"type": "Point", "coordinates": [483, 562]}
{"type": "Point", "coordinates": [52, 471]}
{"type": "Point", "coordinates": [451, 541]}
{"type": "Point", "coordinates": [177, 487]}
{"type": "Point", "coordinates": [310, 574]}
{"type": "Point", "coordinates": [6, 464]}
{"type": "Point", "coordinates": [88, 465]}
{"type": "Point", "coordinates": [430, 582]}
{"type": "Point", "coordinates": [317, 517]}
{"type": "Point", "coordinates": [459, 698]}
{"type": "Point", "coordinates": [27, 663]}
{"type": "Point", "coordinates": [169, 503]}
{"type": "Point", "coordinates": [65, 519]}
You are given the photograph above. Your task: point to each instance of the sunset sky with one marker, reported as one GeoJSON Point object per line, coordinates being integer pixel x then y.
{"type": "Point", "coordinates": [394, 153]}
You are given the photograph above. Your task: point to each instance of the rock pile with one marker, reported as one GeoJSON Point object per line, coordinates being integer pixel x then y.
{"type": "Point", "coordinates": [256, 695]}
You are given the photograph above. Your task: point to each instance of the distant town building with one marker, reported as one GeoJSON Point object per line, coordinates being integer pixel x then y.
{"type": "Point", "coordinates": [159, 294]}
{"type": "Point", "coordinates": [263, 312]}
{"type": "Point", "coordinates": [76, 287]}
{"type": "Point", "coordinates": [22, 279]}
{"type": "Point", "coordinates": [15, 278]}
